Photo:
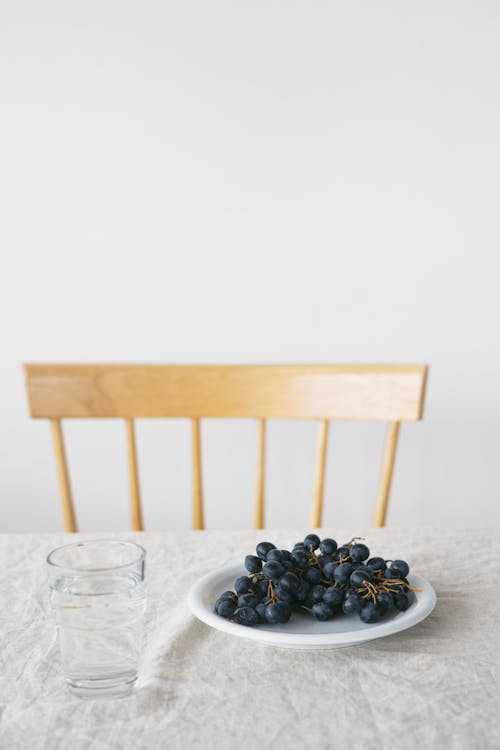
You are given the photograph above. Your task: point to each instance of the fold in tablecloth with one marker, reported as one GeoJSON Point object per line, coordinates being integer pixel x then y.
{"type": "Point", "coordinates": [434, 686]}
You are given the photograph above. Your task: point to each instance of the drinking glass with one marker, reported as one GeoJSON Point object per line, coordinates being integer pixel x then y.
{"type": "Point", "coordinates": [98, 594]}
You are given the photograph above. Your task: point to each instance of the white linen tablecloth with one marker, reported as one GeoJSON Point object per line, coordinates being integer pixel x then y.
{"type": "Point", "coordinates": [433, 686]}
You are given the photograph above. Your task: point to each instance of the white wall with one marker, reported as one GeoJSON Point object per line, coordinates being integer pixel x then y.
{"type": "Point", "coordinates": [264, 181]}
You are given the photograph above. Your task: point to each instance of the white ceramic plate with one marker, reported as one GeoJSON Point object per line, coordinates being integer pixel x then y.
{"type": "Point", "coordinates": [302, 632]}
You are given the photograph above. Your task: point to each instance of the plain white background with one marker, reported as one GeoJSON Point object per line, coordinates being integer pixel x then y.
{"type": "Point", "coordinates": [252, 182]}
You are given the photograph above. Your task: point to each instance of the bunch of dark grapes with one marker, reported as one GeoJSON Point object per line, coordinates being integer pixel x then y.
{"type": "Point", "coordinates": [317, 577]}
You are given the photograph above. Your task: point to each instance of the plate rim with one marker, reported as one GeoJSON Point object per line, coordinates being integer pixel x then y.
{"type": "Point", "coordinates": [422, 608]}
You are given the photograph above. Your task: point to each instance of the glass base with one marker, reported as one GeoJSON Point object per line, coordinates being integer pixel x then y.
{"type": "Point", "coordinates": [116, 686]}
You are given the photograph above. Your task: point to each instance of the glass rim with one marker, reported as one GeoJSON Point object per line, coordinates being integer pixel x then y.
{"type": "Point", "coordinates": [140, 557]}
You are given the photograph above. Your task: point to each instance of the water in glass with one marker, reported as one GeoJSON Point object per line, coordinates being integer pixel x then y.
{"type": "Point", "coordinates": [100, 614]}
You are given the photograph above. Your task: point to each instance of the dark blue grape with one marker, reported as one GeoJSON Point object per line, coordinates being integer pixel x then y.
{"type": "Point", "coordinates": [228, 595]}
{"type": "Point", "coordinates": [401, 567]}
{"type": "Point", "coordinates": [311, 542]}
{"type": "Point", "coordinates": [262, 588]}
{"type": "Point", "coordinates": [243, 585]}
{"type": "Point", "coordinates": [278, 612]}
{"type": "Point", "coordinates": [342, 572]}
{"type": "Point", "coordinates": [274, 555]}
{"type": "Point", "coordinates": [248, 600]}
{"type": "Point", "coordinates": [333, 596]}
{"type": "Point", "coordinates": [300, 558]}
{"type": "Point", "coordinates": [312, 575]}
{"type": "Point", "coordinates": [253, 564]}
{"type": "Point", "coordinates": [359, 576]}
{"type": "Point", "coordinates": [352, 604]}
{"type": "Point", "coordinates": [286, 555]}
{"type": "Point", "coordinates": [261, 611]}
{"type": "Point", "coordinates": [322, 612]}
{"type": "Point", "coordinates": [324, 559]}
{"type": "Point", "coordinates": [226, 608]}
{"type": "Point", "coordinates": [273, 570]}
{"type": "Point", "coordinates": [302, 591]}
{"type": "Point", "coordinates": [283, 595]}
{"type": "Point", "coordinates": [272, 613]}
{"type": "Point", "coordinates": [401, 602]}
{"type": "Point", "coordinates": [403, 590]}
{"type": "Point", "coordinates": [328, 546]}
{"type": "Point", "coordinates": [376, 564]}
{"type": "Point", "coordinates": [370, 612]}
{"type": "Point", "coordinates": [344, 551]}
{"type": "Point", "coordinates": [384, 600]}
{"type": "Point", "coordinates": [329, 570]}
{"type": "Point", "coordinates": [390, 573]}
{"type": "Point", "coordinates": [286, 611]}
{"type": "Point", "coordinates": [300, 545]}
{"type": "Point", "coordinates": [359, 552]}
{"type": "Point", "coordinates": [263, 548]}
{"type": "Point", "coordinates": [315, 594]}
{"type": "Point", "coordinates": [290, 582]}
{"type": "Point", "coordinates": [246, 616]}
{"type": "Point", "coordinates": [397, 588]}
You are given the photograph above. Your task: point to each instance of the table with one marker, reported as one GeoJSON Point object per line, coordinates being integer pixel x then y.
{"type": "Point", "coordinates": [434, 686]}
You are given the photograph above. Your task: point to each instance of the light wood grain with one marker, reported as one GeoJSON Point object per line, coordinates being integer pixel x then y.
{"type": "Point", "coordinates": [258, 510]}
{"type": "Point", "coordinates": [198, 520]}
{"type": "Point", "coordinates": [319, 475]}
{"type": "Point", "coordinates": [392, 393]}
{"type": "Point", "coordinates": [386, 392]}
{"type": "Point", "coordinates": [68, 514]}
{"type": "Point", "coordinates": [133, 475]}
{"type": "Point", "coordinates": [388, 457]}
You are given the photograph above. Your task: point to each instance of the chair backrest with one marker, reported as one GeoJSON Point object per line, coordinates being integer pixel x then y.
{"type": "Point", "coordinates": [391, 393]}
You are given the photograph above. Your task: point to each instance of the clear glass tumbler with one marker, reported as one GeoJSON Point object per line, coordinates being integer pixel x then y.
{"type": "Point", "coordinates": [98, 594]}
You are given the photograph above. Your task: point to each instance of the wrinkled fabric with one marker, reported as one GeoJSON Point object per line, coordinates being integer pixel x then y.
{"type": "Point", "coordinates": [433, 686]}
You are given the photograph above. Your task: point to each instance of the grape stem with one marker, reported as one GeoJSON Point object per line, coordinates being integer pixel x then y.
{"type": "Point", "coordinates": [354, 539]}
{"type": "Point", "coordinates": [371, 591]}
{"type": "Point", "coordinates": [398, 582]}
{"type": "Point", "coordinates": [313, 560]}
{"type": "Point", "coordinates": [270, 592]}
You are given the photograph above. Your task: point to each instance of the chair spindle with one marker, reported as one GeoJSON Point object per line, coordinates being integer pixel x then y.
{"type": "Point", "coordinates": [258, 508]}
{"type": "Point", "coordinates": [319, 475]}
{"type": "Point", "coordinates": [198, 520]}
{"type": "Point", "coordinates": [390, 445]}
{"type": "Point", "coordinates": [68, 513]}
{"type": "Point", "coordinates": [133, 475]}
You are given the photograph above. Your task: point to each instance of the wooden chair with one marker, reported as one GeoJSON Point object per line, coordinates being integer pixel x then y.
{"type": "Point", "coordinates": [393, 393]}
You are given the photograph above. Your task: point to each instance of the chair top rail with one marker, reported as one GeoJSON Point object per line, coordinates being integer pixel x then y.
{"type": "Point", "coordinates": [358, 391]}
